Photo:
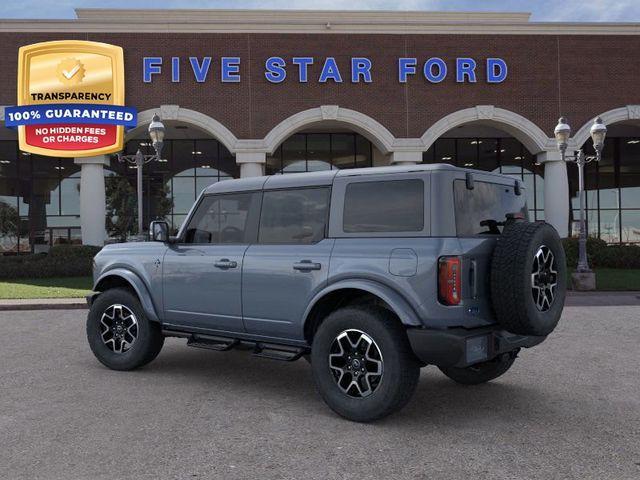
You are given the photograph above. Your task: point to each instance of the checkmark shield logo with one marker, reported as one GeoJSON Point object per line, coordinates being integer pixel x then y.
{"type": "Point", "coordinates": [70, 71]}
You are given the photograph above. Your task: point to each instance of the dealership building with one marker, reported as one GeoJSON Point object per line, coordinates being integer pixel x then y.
{"type": "Point", "coordinates": [246, 93]}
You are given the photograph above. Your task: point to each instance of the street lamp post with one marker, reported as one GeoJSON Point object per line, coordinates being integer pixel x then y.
{"type": "Point", "coordinates": [156, 133]}
{"type": "Point", "coordinates": [562, 133]}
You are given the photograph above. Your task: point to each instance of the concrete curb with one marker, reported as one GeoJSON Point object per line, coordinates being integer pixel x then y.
{"type": "Point", "coordinates": [43, 304]}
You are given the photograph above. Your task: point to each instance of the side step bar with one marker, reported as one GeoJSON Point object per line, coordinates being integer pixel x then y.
{"type": "Point", "coordinates": [271, 351]}
{"type": "Point", "coordinates": [219, 344]}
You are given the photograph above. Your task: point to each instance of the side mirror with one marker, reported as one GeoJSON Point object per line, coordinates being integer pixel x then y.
{"type": "Point", "coordinates": [159, 231]}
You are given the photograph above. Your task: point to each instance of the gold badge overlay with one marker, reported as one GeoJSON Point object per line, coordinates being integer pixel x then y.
{"type": "Point", "coordinates": [75, 67]}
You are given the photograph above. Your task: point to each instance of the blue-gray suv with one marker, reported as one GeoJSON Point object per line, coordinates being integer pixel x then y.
{"type": "Point", "coordinates": [369, 274]}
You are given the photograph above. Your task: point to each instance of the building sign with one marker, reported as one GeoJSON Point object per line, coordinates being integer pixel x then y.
{"type": "Point", "coordinates": [70, 99]}
{"type": "Point", "coordinates": [323, 70]}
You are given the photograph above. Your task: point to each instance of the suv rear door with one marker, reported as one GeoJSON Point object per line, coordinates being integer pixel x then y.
{"type": "Point", "coordinates": [202, 272]}
{"type": "Point", "coordinates": [290, 262]}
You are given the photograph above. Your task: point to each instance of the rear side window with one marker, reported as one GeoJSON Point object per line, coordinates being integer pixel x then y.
{"type": "Point", "coordinates": [227, 218]}
{"type": "Point", "coordinates": [386, 206]}
{"type": "Point", "coordinates": [487, 203]}
{"type": "Point", "coordinates": [294, 216]}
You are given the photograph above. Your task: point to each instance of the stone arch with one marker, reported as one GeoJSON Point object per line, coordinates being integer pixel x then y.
{"type": "Point", "coordinates": [197, 119]}
{"type": "Point", "coordinates": [527, 132]}
{"type": "Point", "coordinates": [629, 112]}
{"type": "Point", "coordinates": [373, 130]}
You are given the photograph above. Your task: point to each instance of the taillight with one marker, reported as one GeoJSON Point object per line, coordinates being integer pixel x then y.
{"type": "Point", "coordinates": [449, 280]}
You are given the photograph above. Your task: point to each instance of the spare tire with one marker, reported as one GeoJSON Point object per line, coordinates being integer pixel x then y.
{"type": "Point", "coordinates": [528, 278]}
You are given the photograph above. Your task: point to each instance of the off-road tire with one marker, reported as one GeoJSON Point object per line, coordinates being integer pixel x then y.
{"type": "Point", "coordinates": [143, 350]}
{"type": "Point", "coordinates": [511, 278]}
{"type": "Point", "coordinates": [400, 369]}
{"type": "Point", "coordinates": [480, 373]}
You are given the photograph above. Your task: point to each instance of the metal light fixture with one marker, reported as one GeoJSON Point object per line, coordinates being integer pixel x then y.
{"type": "Point", "coordinates": [598, 133]}
{"type": "Point", "coordinates": [137, 161]}
{"type": "Point", "coordinates": [562, 133]}
{"type": "Point", "coordinates": [156, 133]}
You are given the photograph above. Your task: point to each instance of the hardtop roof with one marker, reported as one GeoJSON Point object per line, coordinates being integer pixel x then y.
{"type": "Point", "coordinates": [326, 177]}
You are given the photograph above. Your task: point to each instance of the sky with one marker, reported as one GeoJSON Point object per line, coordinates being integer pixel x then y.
{"type": "Point", "coordinates": [542, 10]}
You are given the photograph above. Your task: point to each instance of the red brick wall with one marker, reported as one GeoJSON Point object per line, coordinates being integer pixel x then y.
{"type": "Point", "coordinates": [578, 76]}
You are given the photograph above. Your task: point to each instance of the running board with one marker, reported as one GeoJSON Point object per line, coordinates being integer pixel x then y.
{"type": "Point", "coordinates": [278, 352]}
{"type": "Point", "coordinates": [209, 342]}
{"type": "Point", "coordinates": [271, 351]}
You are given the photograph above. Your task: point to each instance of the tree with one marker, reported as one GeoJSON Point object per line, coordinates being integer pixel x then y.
{"type": "Point", "coordinates": [121, 207]}
{"type": "Point", "coordinates": [162, 201]}
{"type": "Point", "coordinates": [9, 220]}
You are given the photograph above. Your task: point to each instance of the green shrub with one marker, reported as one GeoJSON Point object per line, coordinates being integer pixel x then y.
{"type": "Point", "coordinates": [601, 255]}
{"type": "Point", "coordinates": [61, 261]}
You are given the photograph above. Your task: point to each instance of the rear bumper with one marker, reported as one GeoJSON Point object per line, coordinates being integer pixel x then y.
{"type": "Point", "coordinates": [460, 347]}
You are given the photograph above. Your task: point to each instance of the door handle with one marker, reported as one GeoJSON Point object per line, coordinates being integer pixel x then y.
{"type": "Point", "coordinates": [225, 263]}
{"type": "Point", "coordinates": [306, 266]}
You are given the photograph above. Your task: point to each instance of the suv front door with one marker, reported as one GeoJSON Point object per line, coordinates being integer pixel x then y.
{"type": "Point", "coordinates": [202, 272]}
{"type": "Point", "coordinates": [290, 262]}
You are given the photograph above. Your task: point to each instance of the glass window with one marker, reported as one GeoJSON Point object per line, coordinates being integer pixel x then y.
{"type": "Point", "coordinates": [363, 152]}
{"type": "Point", "coordinates": [70, 196]}
{"type": "Point", "coordinates": [274, 162]}
{"type": "Point", "coordinates": [630, 172]}
{"type": "Point", "coordinates": [228, 218]}
{"type": "Point", "coordinates": [182, 163]}
{"type": "Point", "coordinates": [479, 209]}
{"type": "Point", "coordinates": [445, 151]}
{"type": "Point", "coordinates": [227, 165]}
{"type": "Point", "coordinates": [428, 156]}
{"type": "Point", "coordinates": [294, 216]}
{"type": "Point", "coordinates": [294, 154]}
{"type": "Point", "coordinates": [387, 206]}
{"type": "Point", "coordinates": [511, 156]}
{"type": "Point", "coordinates": [609, 226]}
{"type": "Point", "coordinates": [8, 159]}
{"type": "Point", "coordinates": [343, 150]}
{"type": "Point", "coordinates": [318, 152]}
{"type": "Point", "coordinates": [467, 150]}
{"type": "Point", "coordinates": [184, 194]}
{"type": "Point", "coordinates": [44, 166]}
{"type": "Point", "coordinates": [488, 154]}
{"type": "Point", "coordinates": [630, 224]}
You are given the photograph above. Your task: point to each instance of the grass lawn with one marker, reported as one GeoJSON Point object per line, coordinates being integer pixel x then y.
{"type": "Point", "coordinates": [69, 287]}
{"type": "Point", "coordinates": [617, 279]}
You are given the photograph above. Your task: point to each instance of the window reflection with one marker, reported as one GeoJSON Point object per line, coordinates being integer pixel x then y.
{"type": "Point", "coordinates": [309, 152]}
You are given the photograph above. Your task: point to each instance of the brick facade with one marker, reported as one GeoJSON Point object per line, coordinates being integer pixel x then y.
{"type": "Point", "coordinates": [574, 75]}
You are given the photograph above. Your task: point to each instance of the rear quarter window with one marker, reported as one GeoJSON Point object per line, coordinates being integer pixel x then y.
{"type": "Point", "coordinates": [485, 203]}
{"type": "Point", "coordinates": [384, 206]}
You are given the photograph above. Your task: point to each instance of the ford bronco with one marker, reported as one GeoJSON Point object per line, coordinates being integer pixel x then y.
{"type": "Point", "coordinates": [369, 274]}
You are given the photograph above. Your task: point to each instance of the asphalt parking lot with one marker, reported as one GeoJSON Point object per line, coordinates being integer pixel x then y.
{"type": "Point", "coordinates": [568, 409]}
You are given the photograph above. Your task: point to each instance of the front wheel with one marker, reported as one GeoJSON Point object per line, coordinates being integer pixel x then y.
{"type": "Point", "coordinates": [119, 333]}
{"type": "Point", "coordinates": [362, 363]}
{"type": "Point", "coordinates": [481, 372]}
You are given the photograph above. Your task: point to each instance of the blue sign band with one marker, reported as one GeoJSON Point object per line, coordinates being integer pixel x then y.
{"type": "Point", "coordinates": [70, 113]}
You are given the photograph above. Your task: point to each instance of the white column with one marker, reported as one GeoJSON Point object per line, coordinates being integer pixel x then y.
{"type": "Point", "coordinates": [556, 191]}
{"type": "Point", "coordinates": [93, 208]}
{"type": "Point", "coordinates": [251, 163]}
{"type": "Point", "coordinates": [405, 158]}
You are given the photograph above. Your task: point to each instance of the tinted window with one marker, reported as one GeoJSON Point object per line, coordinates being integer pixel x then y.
{"type": "Point", "coordinates": [486, 202]}
{"type": "Point", "coordinates": [389, 206]}
{"type": "Point", "coordinates": [294, 216]}
{"type": "Point", "coordinates": [224, 219]}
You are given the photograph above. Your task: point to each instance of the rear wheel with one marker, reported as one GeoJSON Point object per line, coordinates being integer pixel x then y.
{"type": "Point", "coordinates": [480, 373]}
{"type": "Point", "coordinates": [119, 333]}
{"type": "Point", "coordinates": [362, 363]}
